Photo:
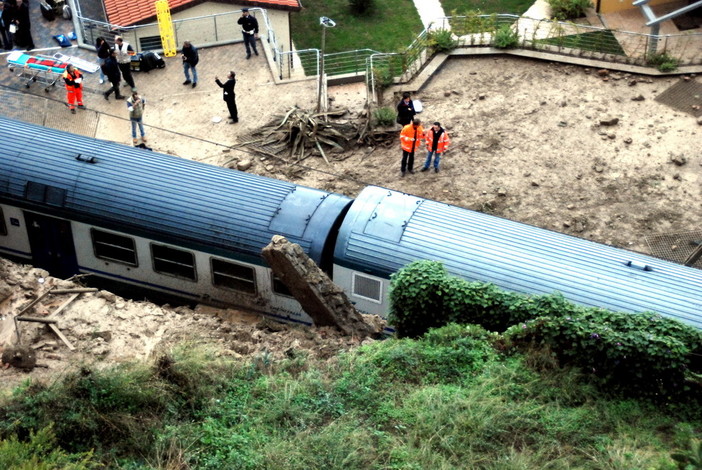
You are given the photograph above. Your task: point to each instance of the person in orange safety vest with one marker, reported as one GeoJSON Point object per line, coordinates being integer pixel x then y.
{"type": "Point", "coordinates": [74, 87]}
{"type": "Point", "coordinates": [411, 138]}
{"type": "Point", "coordinates": [437, 144]}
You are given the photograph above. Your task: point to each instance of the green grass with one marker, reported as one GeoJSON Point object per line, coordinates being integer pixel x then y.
{"type": "Point", "coordinates": [392, 26]}
{"type": "Point", "coordinates": [461, 7]}
{"type": "Point", "coordinates": [446, 401]}
{"type": "Point", "coordinates": [596, 41]}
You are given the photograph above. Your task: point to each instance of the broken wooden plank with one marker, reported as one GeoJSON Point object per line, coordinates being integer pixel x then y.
{"type": "Point", "coordinates": [37, 319]}
{"type": "Point", "coordinates": [58, 333]}
{"type": "Point", "coordinates": [33, 303]}
{"type": "Point", "coordinates": [79, 290]}
{"type": "Point", "coordinates": [65, 304]}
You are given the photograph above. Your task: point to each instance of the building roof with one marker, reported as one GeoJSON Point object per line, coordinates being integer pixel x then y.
{"type": "Point", "coordinates": [144, 11]}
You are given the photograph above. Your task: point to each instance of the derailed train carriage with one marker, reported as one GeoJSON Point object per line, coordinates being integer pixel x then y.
{"type": "Point", "coordinates": [73, 204]}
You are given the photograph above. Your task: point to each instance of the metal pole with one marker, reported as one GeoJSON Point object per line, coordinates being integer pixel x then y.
{"type": "Point", "coordinates": [321, 70]}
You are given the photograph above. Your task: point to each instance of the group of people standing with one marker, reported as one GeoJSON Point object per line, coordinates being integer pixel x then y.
{"type": "Point", "coordinates": [115, 65]}
{"type": "Point", "coordinates": [15, 25]}
{"type": "Point", "coordinates": [412, 134]}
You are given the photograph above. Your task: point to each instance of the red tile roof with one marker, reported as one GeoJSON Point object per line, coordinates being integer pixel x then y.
{"type": "Point", "coordinates": [123, 13]}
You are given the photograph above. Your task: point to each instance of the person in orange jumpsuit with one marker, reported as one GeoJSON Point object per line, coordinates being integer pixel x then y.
{"type": "Point", "coordinates": [411, 138]}
{"type": "Point", "coordinates": [74, 87]}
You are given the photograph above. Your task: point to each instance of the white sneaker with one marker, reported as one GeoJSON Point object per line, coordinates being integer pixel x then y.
{"type": "Point", "coordinates": [102, 81]}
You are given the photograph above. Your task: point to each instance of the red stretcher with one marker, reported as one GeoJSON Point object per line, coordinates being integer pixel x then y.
{"type": "Point", "coordinates": [31, 69]}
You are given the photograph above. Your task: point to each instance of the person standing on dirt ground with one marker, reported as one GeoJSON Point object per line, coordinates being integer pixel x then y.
{"type": "Point", "coordinates": [111, 70]}
{"type": "Point", "coordinates": [437, 144]}
{"type": "Point", "coordinates": [74, 87]}
{"type": "Point", "coordinates": [103, 52]}
{"type": "Point", "coordinates": [405, 109]}
{"type": "Point", "coordinates": [190, 60]}
{"type": "Point", "coordinates": [411, 138]}
{"type": "Point", "coordinates": [135, 105]}
{"type": "Point", "coordinates": [229, 96]}
{"type": "Point", "coordinates": [124, 53]}
{"type": "Point", "coordinates": [249, 28]}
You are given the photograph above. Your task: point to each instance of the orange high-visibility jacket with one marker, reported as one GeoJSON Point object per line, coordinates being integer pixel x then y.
{"type": "Point", "coordinates": [407, 139]}
{"type": "Point", "coordinates": [443, 144]}
{"type": "Point", "coordinates": [73, 80]}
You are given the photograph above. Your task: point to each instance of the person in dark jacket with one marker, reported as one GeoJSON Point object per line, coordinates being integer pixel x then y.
{"type": "Point", "coordinates": [190, 60]}
{"type": "Point", "coordinates": [20, 18]}
{"type": "Point", "coordinates": [103, 52]}
{"type": "Point", "coordinates": [5, 40]}
{"type": "Point", "coordinates": [111, 70]}
{"type": "Point", "coordinates": [405, 110]}
{"type": "Point", "coordinates": [228, 95]}
{"type": "Point", "coordinates": [249, 28]}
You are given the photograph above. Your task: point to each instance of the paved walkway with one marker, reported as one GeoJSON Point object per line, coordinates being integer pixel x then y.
{"type": "Point", "coordinates": [429, 12]}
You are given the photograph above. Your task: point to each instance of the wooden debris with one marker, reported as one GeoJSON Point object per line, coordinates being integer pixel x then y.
{"type": "Point", "coordinates": [301, 134]}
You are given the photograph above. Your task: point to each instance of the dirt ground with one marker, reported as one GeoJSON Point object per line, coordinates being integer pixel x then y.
{"type": "Point", "coordinates": [528, 144]}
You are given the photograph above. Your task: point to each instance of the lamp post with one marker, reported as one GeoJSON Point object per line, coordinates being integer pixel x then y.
{"type": "Point", "coordinates": [325, 23]}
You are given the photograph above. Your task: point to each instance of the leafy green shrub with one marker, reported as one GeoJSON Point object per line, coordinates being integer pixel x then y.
{"type": "Point", "coordinates": [569, 9]}
{"type": "Point", "coordinates": [40, 452]}
{"type": "Point", "coordinates": [384, 116]}
{"type": "Point", "coordinates": [638, 354]}
{"type": "Point", "coordinates": [473, 22]}
{"type": "Point", "coordinates": [663, 62]}
{"type": "Point", "coordinates": [506, 37]}
{"type": "Point", "coordinates": [362, 7]}
{"type": "Point", "coordinates": [423, 296]}
{"type": "Point", "coordinates": [441, 40]}
{"type": "Point", "coordinates": [416, 298]}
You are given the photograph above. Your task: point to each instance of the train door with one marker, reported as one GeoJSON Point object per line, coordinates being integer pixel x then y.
{"type": "Point", "coordinates": [51, 242]}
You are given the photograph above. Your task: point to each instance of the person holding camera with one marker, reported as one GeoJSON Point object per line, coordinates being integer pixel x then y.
{"type": "Point", "coordinates": [190, 60]}
{"type": "Point", "coordinates": [229, 96]}
{"type": "Point", "coordinates": [135, 105]}
{"type": "Point", "coordinates": [249, 28]}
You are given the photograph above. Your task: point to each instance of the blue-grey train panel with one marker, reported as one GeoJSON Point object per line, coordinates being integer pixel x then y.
{"type": "Point", "coordinates": [384, 230]}
{"type": "Point", "coordinates": [161, 196]}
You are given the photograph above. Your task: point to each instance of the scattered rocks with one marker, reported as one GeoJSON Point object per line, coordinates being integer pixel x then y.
{"type": "Point", "coordinates": [609, 121]}
{"type": "Point", "coordinates": [603, 73]}
{"type": "Point", "coordinates": [678, 160]}
{"type": "Point", "coordinates": [638, 98]}
{"type": "Point", "coordinates": [244, 165]}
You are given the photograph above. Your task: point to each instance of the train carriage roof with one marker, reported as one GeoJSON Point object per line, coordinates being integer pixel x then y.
{"type": "Point", "coordinates": [385, 230]}
{"type": "Point", "coordinates": [159, 196]}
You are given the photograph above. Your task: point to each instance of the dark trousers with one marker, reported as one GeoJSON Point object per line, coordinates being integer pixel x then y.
{"type": "Point", "coordinates": [5, 40]}
{"type": "Point", "coordinates": [407, 161]}
{"type": "Point", "coordinates": [250, 42]}
{"type": "Point", "coordinates": [231, 104]}
{"type": "Point", "coordinates": [115, 88]}
{"type": "Point", "coordinates": [126, 70]}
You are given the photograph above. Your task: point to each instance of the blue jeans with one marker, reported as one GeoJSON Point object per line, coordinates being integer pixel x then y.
{"type": "Point", "coordinates": [186, 70]}
{"type": "Point", "coordinates": [101, 62]}
{"type": "Point", "coordinates": [135, 122]}
{"type": "Point", "coordinates": [437, 159]}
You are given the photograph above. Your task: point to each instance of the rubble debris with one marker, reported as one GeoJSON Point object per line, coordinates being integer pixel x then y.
{"type": "Point", "coordinates": [323, 300]}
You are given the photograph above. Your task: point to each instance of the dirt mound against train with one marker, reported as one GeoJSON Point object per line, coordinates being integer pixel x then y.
{"type": "Point", "coordinates": [105, 329]}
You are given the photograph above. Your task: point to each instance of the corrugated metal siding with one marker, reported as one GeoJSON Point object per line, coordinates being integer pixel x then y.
{"type": "Point", "coordinates": [520, 258]}
{"type": "Point", "coordinates": [160, 194]}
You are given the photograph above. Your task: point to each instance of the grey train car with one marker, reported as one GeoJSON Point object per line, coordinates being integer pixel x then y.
{"type": "Point", "coordinates": [385, 230]}
{"type": "Point", "coordinates": [72, 204]}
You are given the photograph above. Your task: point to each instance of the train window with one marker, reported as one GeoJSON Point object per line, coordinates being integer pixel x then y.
{"type": "Point", "coordinates": [279, 287]}
{"type": "Point", "coordinates": [233, 276]}
{"type": "Point", "coordinates": [113, 247]}
{"type": "Point", "coordinates": [3, 227]}
{"type": "Point", "coordinates": [174, 262]}
{"type": "Point", "coordinates": [364, 286]}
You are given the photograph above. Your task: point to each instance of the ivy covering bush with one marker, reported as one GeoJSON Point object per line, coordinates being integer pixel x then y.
{"type": "Point", "coordinates": [638, 354]}
{"type": "Point", "coordinates": [423, 296]}
{"type": "Point", "coordinates": [442, 40]}
{"type": "Point", "coordinates": [506, 37]}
